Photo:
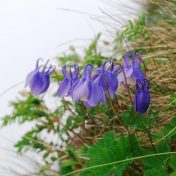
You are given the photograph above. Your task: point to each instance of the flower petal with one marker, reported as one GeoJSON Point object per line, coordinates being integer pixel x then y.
{"type": "Point", "coordinates": [137, 72]}
{"type": "Point", "coordinates": [39, 83]}
{"type": "Point", "coordinates": [64, 71]}
{"type": "Point", "coordinates": [87, 71]}
{"type": "Point", "coordinates": [142, 96]}
{"type": "Point", "coordinates": [64, 88]}
{"type": "Point", "coordinates": [112, 82]}
{"type": "Point", "coordinates": [81, 90]}
{"type": "Point", "coordinates": [103, 98]}
{"type": "Point", "coordinates": [95, 95]}
{"type": "Point", "coordinates": [74, 73]}
{"type": "Point", "coordinates": [29, 77]}
{"type": "Point", "coordinates": [128, 73]}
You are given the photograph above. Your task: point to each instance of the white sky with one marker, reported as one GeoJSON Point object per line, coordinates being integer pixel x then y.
{"type": "Point", "coordinates": [30, 29]}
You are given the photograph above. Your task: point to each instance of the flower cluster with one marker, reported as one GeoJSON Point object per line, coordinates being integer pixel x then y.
{"type": "Point", "coordinates": [131, 67]}
{"type": "Point", "coordinates": [95, 85]}
{"type": "Point", "coordinates": [132, 70]}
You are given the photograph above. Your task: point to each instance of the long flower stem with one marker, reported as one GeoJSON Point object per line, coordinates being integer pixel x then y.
{"type": "Point", "coordinates": [151, 141]}
{"type": "Point", "coordinates": [128, 89]}
{"type": "Point", "coordinates": [113, 109]}
{"type": "Point", "coordinates": [68, 108]}
{"type": "Point", "coordinates": [126, 83]}
{"type": "Point", "coordinates": [149, 134]}
{"type": "Point", "coordinates": [133, 116]}
{"type": "Point", "coordinates": [129, 93]}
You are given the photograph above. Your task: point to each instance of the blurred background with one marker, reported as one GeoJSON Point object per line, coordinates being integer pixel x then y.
{"type": "Point", "coordinates": [45, 28]}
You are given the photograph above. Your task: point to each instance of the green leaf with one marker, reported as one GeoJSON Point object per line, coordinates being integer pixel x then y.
{"type": "Point", "coordinates": [140, 122]}
{"type": "Point", "coordinates": [152, 116]}
{"type": "Point", "coordinates": [26, 110]}
{"type": "Point", "coordinates": [172, 162]}
{"type": "Point", "coordinates": [155, 172]}
{"type": "Point", "coordinates": [71, 154]}
{"type": "Point", "coordinates": [67, 58]}
{"type": "Point", "coordinates": [92, 54]}
{"type": "Point", "coordinates": [163, 147]}
{"type": "Point", "coordinates": [108, 150]}
{"type": "Point", "coordinates": [153, 161]}
{"type": "Point", "coordinates": [173, 174]}
{"type": "Point", "coordinates": [126, 117]}
{"type": "Point", "coordinates": [67, 166]}
{"type": "Point", "coordinates": [135, 145]}
{"type": "Point", "coordinates": [159, 162]}
{"type": "Point", "coordinates": [131, 24]}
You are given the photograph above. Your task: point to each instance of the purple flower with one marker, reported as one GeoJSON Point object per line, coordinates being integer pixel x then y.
{"type": "Point", "coordinates": [131, 67]}
{"type": "Point", "coordinates": [137, 72]}
{"type": "Point", "coordinates": [82, 88]}
{"type": "Point", "coordinates": [69, 79]}
{"type": "Point", "coordinates": [97, 93]}
{"type": "Point", "coordinates": [104, 83]}
{"type": "Point", "coordinates": [39, 79]}
{"type": "Point", "coordinates": [142, 96]}
{"type": "Point", "coordinates": [110, 78]}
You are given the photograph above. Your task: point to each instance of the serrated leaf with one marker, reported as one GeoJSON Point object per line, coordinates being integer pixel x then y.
{"type": "Point", "coordinates": [108, 150]}
{"type": "Point", "coordinates": [163, 147]}
{"type": "Point", "coordinates": [153, 162]}
{"type": "Point", "coordinates": [126, 117]}
{"type": "Point", "coordinates": [140, 122]}
{"type": "Point", "coordinates": [158, 162]}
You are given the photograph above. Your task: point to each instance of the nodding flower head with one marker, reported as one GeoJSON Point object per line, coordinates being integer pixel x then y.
{"type": "Point", "coordinates": [110, 78]}
{"type": "Point", "coordinates": [136, 62]}
{"type": "Point", "coordinates": [131, 67]}
{"type": "Point", "coordinates": [82, 88]}
{"type": "Point", "coordinates": [69, 79]}
{"type": "Point", "coordinates": [39, 79]}
{"type": "Point", "coordinates": [104, 83]}
{"type": "Point", "coordinates": [97, 93]}
{"type": "Point", "coordinates": [142, 96]}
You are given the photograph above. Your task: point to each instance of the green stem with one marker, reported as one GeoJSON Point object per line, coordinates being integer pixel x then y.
{"type": "Point", "coordinates": [151, 141]}
{"type": "Point", "coordinates": [113, 109]}
{"type": "Point", "coordinates": [149, 134]}
{"type": "Point", "coordinates": [129, 93]}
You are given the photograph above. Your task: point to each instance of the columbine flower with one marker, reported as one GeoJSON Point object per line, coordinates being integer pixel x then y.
{"type": "Point", "coordinates": [104, 83]}
{"type": "Point", "coordinates": [110, 78]}
{"type": "Point", "coordinates": [69, 79]}
{"type": "Point", "coordinates": [82, 88]}
{"type": "Point", "coordinates": [136, 62]}
{"type": "Point", "coordinates": [39, 79]}
{"type": "Point", "coordinates": [142, 96]}
{"type": "Point", "coordinates": [97, 93]}
{"type": "Point", "coordinates": [131, 68]}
